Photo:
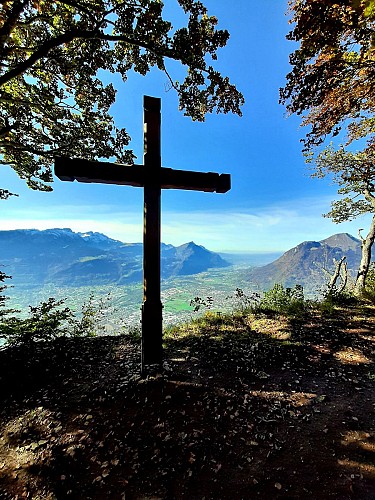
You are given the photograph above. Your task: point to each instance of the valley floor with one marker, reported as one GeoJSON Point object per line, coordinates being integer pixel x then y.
{"type": "Point", "coordinates": [246, 407]}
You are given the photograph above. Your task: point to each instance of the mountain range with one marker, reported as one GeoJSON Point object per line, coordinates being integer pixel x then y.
{"type": "Point", "coordinates": [309, 264]}
{"type": "Point", "coordinates": [63, 257]}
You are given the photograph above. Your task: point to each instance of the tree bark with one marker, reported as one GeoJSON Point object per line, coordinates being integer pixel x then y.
{"type": "Point", "coordinates": [332, 284]}
{"type": "Point", "coordinates": [344, 276]}
{"type": "Point", "coordinates": [365, 259]}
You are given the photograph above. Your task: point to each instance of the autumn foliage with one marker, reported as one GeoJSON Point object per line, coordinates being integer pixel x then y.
{"type": "Point", "coordinates": [332, 85]}
{"type": "Point", "coordinates": [332, 81]}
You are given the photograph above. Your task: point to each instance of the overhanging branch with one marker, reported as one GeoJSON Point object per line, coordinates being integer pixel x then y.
{"type": "Point", "coordinates": [13, 16]}
{"type": "Point", "coordinates": [68, 37]}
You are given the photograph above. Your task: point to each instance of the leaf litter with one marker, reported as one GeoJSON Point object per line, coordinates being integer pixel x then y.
{"type": "Point", "coordinates": [235, 413]}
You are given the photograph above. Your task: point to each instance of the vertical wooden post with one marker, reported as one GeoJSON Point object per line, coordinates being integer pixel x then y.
{"type": "Point", "coordinates": [152, 327]}
{"type": "Point", "coordinates": [149, 175]}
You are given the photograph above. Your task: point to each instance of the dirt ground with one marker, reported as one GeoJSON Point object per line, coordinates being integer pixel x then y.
{"type": "Point", "coordinates": [252, 408]}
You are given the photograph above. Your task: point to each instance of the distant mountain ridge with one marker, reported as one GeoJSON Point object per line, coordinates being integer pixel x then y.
{"type": "Point", "coordinates": [306, 263]}
{"type": "Point", "coordinates": [63, 257]}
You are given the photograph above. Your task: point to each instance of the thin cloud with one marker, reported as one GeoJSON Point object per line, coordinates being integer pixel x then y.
{"type": "Point", "coordinates": [272, 228]}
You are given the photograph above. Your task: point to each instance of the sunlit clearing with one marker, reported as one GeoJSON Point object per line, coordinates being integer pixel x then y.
{"type": "Point", "coordinates": [322, 349]}
{"type": "Point", "coordinates": [367, 338]}
{"type": "Point", "coordinates": [351, 356]}
{"type": "Point", "coordinates": [297, 398]}
{"type": "Point", "coordinates": [360, 439]}
{"type": "Point", "coordinates": [356, 466]}
{"type": "Point", "coordinates": [365, 443]}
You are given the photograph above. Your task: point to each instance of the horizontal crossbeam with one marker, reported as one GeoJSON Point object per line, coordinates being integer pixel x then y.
{"type": "Point", "coordinates": [70, 169]}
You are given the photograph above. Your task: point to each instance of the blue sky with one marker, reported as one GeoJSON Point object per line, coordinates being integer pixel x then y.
{"type": "Point", "coordinates": [273, 204]}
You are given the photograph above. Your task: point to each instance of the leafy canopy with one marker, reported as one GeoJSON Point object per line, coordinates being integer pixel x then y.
{"type": "Point", "coordinates": [354, 173]}
{"type": "Point", "coordinates": [332, 81]}
{"type": "Point", "coordinates": [52, 98]}
{"type": "Point", "coordinates": [332, 84]}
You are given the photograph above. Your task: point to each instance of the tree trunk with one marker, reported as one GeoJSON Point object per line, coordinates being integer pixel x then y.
{"type": "Point", "coordinates": [344, 276]}
{"type": "Point", "coordinates": [332, 283]}
{"type": "Point", "coordinates": [365, 259]}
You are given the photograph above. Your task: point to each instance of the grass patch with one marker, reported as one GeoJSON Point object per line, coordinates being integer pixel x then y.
{"type": "Point", "coordinates": [176, 305]}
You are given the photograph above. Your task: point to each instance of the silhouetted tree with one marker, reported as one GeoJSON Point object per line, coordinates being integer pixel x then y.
{"type": "Point", "coordinates": [52, 96]}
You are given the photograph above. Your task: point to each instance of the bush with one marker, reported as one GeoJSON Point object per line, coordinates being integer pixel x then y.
{"type": "Point", "coordinates": [243, 302]}
{"type": "Point", "coordinates": [3, 298]}
{"type": "Point", "coordinates": [198, 303]}
{"type": "Point", "coordinates": [280, 300]}
{"type": "Point", "coordinates": [93, 314]}
{"type": "Point", "coordinates": [46, 321]}
{"type": "Point", "coordinates": [346, 298]}
{"type": "Point", "coordinates": [50, 320]}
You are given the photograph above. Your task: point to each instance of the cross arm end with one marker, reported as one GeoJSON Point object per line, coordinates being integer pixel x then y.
{"type": "Point", "coordinates": [63, 169]}
{"type": "Point", "coordinates": [224, 183]}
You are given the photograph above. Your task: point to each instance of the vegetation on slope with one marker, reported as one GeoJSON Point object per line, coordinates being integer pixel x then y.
{"type": "Point", "coordinates": [254, 403]}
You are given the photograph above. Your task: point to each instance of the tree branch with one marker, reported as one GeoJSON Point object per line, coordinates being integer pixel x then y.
{"type": "Point", "coordinates": [31, 149]}
{"type": "Point", "coordinates": [344, 277]}
{"type": "Point", "coordinates": [173, 85]}
{"type": "Point", "coordinates": [336, 274]}
{"type": "Point", "coordinates": [69, 36]}
{"type": "Point", "coordinates": [8, 27]}
{"type": "Point", "coordinates": [369, 196]}
{"type": "Point", "coordinates": [76, 5]}
{"type": "Point", "coordinates": [31, 20]}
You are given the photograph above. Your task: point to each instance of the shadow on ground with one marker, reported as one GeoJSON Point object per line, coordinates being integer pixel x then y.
{"type": "Point", "coordinates": [236, 413]}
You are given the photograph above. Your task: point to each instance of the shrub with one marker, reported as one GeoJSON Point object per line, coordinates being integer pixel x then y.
{"type": "Point", "coordinates": [198, 303]}
{"type": "Point", "coordinates": [93, 314]}
{"type": "Point", "coordinates": [244, 302]}
{"type": "Point", "coordinates": [3, 298]}
{"type": "Point", "coordinates": [212, 318]}
{"type": "Point", "coordinates": [280, 300]}
{"type": "Point", "coordinates": [333, 299]}
{"type": "Point", "coordinates": [50, 320]}
{"type": "Point", "coordinates": [46, 321]}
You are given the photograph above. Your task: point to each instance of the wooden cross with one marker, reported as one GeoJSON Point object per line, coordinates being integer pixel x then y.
{"type": "Point", "coordinates": [152, 177]}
